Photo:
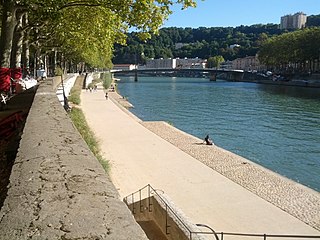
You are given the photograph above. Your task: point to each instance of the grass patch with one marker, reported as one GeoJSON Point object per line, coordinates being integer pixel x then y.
{"type": "Point", "coordinates": [76, 91]}
{"type": "Point", "coordinates": [75, 96]}
{"type": "Point", "coordinates": [81, 124]}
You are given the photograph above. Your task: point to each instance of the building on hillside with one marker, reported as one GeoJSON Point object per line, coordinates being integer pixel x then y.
{"type": "Point", "coordinates": [176, 63]}
{"type": "Point", "coordinates": [249, 63]}
{"type": "Point", "coordinates": [232, 46]}
{"type": "Point", "coordinates": [161, 63]}
{"type": "Point", "coordinates": [295, 21]}
{"type": "Point", "coordinates": [180, 45]}
{"type": "Point", "coordinates": [124, 67]}
{"type": "Point", "coordinates": [191, 63]}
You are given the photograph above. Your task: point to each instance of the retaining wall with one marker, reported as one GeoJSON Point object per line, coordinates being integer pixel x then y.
{"type": "Point", "coordinates": [58, 189]}
{"type": "Point", "coordinates": [172, 225]}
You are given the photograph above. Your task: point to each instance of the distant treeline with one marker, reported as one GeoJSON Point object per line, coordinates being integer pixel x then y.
{"type": "Point", "coordinates": [201, 42]}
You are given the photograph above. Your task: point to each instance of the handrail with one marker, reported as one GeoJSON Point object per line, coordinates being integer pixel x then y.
{"type": "Point", "coordinates": [167, 207]}
{"type": "Point", "coordinates": [211, 229]}
{"type": "Point", "coordinates": [268, 235]}
{"type": "Point", "coordinates": [212, 232]}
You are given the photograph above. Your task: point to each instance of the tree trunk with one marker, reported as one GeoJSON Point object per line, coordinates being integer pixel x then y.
{"type": "Point", "coordinates": [15, 62]}
{"type": "Point", "coordinates": [25, 56]}
{"type": "Point", "coordinates": [8, 25]}
{"type": "Point", "coordinates": [7, 29]}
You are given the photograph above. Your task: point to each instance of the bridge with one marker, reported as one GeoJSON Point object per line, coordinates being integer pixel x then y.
{"type": "Point", "coordinates": [231, 74]}
{"type": "Point", "coordinates": [210, 70]}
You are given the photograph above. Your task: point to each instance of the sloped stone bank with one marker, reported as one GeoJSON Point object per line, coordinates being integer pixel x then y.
{"type": "Point", "coordinates": [293, 198]}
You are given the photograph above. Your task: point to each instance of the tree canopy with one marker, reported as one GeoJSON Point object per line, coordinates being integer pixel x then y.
{"type": "Point", "coordinates": [197, 42]}
{"type": "Point", "coordinates": [292, 49]}
{"type": "Point", "coordinates": [214, 62]}
{"type": "Point", "coordinates": [83, 30]}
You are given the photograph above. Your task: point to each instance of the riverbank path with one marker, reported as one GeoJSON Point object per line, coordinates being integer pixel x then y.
{"type": "Point", "coordinates": [139, 157]}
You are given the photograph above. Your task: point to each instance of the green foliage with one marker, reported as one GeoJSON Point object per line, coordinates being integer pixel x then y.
{"type": "Point", "coordinates": [86, 30]}
{"type": "Point", "coordinates": [106, 79]}
{"type": "Point", "coordinates": [80, 122]}
{"type": "Point", "coordinates": [76, 91]}
{"type": "Point", "coordinates": [91, 85]}
{"type": "Point", "coordinates": [74, 96]}
{"type": "Point", "coordinates": [58, 71]}
{"type": "Point", "coordinates": [200, 42]}
{"type": "Point", "coordinates": [313, 21]}
{"type": "Point", "coordinates": [214, 62]}
{"type": "Point", "coordinates": [290, 48]}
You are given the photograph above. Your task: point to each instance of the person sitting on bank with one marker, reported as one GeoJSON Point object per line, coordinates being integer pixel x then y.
{"type": "Point", "coordinates": [208, 140]}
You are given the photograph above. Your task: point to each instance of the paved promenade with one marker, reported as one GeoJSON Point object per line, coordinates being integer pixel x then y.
{"type": "Point", "coordinates": [138, 156]}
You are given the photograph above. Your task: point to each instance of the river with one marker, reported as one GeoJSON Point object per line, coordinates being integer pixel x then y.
{"type": "Point", "coordinates": [277, 127]}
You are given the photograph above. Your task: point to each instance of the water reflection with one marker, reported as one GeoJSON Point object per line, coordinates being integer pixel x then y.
{"type": "Point", "coordinates": [297, 92]}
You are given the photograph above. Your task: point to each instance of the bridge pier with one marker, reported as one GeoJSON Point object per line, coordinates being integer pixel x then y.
{"type": "Point", "coordinates": [136, 75]}
{"type": "Point", "coordinates": [213, 76]}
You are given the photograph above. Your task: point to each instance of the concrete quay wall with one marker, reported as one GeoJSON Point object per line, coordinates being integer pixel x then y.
{"type": "Point", "coordinates": [58, 190]}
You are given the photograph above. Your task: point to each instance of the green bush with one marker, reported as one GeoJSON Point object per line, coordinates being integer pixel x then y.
{"type": "Point", "coordinates": [107, 79]}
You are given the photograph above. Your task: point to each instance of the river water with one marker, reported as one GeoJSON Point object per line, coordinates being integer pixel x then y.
{"type": "Point", "coordinates": [277, 127]}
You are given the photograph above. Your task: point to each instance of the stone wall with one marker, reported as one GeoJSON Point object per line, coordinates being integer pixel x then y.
{"type": "Point", "coordinates": [58, 189]}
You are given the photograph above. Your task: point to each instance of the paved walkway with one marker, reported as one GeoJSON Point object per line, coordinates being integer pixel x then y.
{"type": "Point", "coordinates": [139, 156]}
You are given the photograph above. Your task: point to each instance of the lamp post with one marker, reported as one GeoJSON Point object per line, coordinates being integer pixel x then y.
{"type": "Point", "coordinates": [59, 71]}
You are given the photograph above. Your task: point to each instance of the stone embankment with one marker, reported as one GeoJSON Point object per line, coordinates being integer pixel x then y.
{"type": "Point", "coordinates": [58, 190]}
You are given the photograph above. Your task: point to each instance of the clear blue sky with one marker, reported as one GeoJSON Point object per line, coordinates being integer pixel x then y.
{"type": "Point", "coordinates": [225, 13]}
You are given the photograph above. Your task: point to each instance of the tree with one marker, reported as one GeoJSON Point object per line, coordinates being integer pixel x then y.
{"type": "Point", "coordinates": [214, 62]}
{"type": "Point", "coordinates": [51, 26]}
{"type": "Point", "coordinates": [294, 50]}
{"type": "Point", "coordinates": [203, 42]}
{"type": "Point", "coordinates": [313, 21]}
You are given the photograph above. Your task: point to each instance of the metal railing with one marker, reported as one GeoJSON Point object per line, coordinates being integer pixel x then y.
{"type": "Point", "coordinates": [191, 232]}
{"type": "Point", "coordinates": [224, 235]}
{"type": "Point", "coordinates": [268, 236]}
{"type": "Point", "coordinates": [169, 211]}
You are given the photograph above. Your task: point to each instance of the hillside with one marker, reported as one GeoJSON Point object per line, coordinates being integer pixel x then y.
{"type": "Point", "coordinates": [201, 42]}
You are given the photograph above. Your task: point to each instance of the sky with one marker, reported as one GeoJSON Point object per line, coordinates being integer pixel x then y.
{"type": "Point", "coordinates": [232, 13]}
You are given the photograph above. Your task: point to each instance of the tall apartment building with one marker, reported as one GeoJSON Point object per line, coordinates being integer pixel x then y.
{"type": "Point", "coordinates": [295, 21]}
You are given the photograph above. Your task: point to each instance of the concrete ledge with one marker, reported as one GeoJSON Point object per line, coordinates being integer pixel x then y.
{"type": "Point", "coordinates": [58, 190]}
